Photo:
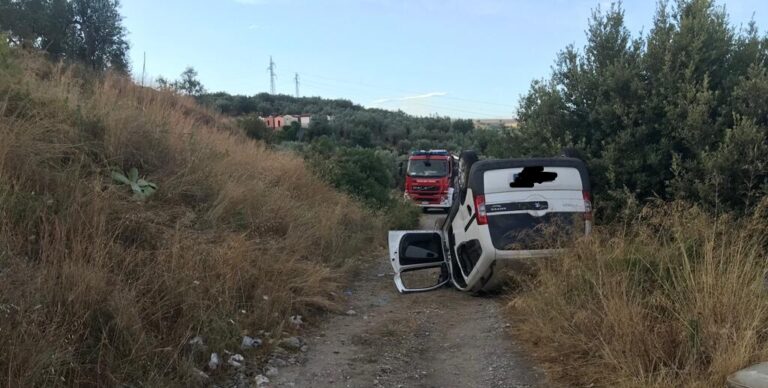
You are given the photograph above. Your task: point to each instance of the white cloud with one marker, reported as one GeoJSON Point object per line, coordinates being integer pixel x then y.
{"type": "Point", "coordinates": [474, 7]}
{"type": "Point", "coordinates": [406, 98]}
{"type": "Point", "coordinates": [253, 27]}
{"type": "Point", "coordinates": [250, 2]}
{"type": "Point", "coordinates": [427, 95]}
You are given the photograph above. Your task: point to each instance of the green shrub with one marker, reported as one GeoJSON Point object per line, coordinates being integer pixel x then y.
{"type": "Point", "coordinates": [402, 214]}
{"type": "Point", "coordinates": [677, 113]}
{"type": "Point", "coordinates": [255, 128]}
{"type": "Point", "coordinates": [362, 173]}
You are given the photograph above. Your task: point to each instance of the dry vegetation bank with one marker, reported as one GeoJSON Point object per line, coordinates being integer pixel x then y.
{"type": "Point", "coordinates": [676, 299]}
{"type": "Point", "coordinates": [97, 288]}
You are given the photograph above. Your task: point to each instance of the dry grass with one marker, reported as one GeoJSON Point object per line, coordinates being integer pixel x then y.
{"type": "Point", "coordinates": [98, 289]}
{"type": "Point", "coordinates": [676, 299]}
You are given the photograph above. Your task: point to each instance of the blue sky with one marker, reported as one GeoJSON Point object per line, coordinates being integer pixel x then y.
{"type": "Point", "coordinates": [470, 58]}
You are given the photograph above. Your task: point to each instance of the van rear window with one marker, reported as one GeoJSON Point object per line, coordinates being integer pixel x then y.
{"type": "Point", "coordinates": [521, 231]}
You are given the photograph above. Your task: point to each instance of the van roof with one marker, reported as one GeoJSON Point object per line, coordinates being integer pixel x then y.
{"type": "Point", "coordinates": [477, 172]}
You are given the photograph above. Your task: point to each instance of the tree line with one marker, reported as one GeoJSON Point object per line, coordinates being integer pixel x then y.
{"type": "Point", "coordinates": [87, 31]}
{"type": "Point", "coordinates": [351, 124]}
{"type": "Point", "coordinates": [678, 113]}
{"type": "Point", "coordinates": [358, 150]}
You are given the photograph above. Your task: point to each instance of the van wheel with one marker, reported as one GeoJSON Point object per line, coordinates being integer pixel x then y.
{"type": "Point", "coordinates": [466, 160]}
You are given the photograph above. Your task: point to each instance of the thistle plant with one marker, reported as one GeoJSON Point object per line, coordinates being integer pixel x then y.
{"type": "Point", "coordinates": [141, 188]}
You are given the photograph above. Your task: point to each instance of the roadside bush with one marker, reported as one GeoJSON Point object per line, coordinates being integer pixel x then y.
{"type": "Point", "coordinates": [401, 214]}
{"type": "Point", "coordinates": [289, 133]}
{"type": "Point", "coordinates": [677, 298]}
{"type": "Point", "coordinates": [255, 128]}
{"type": "Point", "coordinates": [367, 175]}
{"type": "Point", "coordinates": [362, 173]}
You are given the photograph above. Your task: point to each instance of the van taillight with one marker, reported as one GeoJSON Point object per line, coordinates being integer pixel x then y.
{"type": "Point", "coordinates": [482, 216]}
{"type": "Point", "coordinates": [587, 206]}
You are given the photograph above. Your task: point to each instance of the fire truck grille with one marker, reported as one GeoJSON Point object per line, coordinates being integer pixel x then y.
{"type": "Point", "coordinates": [425, 188]}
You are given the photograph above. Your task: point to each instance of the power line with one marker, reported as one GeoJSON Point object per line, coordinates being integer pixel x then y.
{"type": "Point", "coordinates": [335, 88]}
{"type": "Point", "coordinates": [272, 75]}
{"type": "Point", "coordinates": [477, 112]}
{"type": "Point", "coordinates": [487, 114]}
{"type": "Point", "coordinates": [398, 90]}
{"type": "Point", "coordinates": [473, 113]}
{"type": "Point", "coordinates": [370, 87]}
{"type": "Point", "coordinates": [379, 87]}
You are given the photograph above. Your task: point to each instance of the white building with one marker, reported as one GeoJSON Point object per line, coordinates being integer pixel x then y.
{"type": "Point", "coordinates": [304, 120]}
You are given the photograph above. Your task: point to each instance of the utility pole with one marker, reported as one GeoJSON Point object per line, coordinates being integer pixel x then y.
{"type": "Point", "coordinates": [272, 75]}
{"type": "Point", "coordinates": [143, 68]}
{"type": "Point", "coordinates": [296, 78]}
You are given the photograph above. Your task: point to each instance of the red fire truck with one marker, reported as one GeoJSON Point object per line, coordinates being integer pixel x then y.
{"type": "Point", "coordinates": [429, 178]}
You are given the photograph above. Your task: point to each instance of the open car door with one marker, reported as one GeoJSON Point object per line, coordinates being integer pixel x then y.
{"type": "Point", "coordinates": [418, 258]}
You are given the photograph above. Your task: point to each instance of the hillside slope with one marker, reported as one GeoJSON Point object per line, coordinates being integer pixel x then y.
{"type": "Point", "coordinates": [98, 288]}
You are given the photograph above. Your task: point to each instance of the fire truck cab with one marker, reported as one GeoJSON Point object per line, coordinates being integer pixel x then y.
{"type": "Point", "coordinates": [429, 178]}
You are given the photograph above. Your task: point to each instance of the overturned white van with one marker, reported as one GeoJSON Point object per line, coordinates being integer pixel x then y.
{"type": "Point", "coordinates": [502, 213]}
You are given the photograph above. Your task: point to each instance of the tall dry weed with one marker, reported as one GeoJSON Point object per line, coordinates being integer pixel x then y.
{"type": "Point", "coordinates": [676, 298]}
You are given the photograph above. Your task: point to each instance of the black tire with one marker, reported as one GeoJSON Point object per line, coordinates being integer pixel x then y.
{"type": "Point", "coordinates": [466, 160]}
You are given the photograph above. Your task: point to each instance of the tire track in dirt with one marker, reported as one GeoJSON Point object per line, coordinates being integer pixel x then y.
{"type": "Point", "coordinates": [443, 338]}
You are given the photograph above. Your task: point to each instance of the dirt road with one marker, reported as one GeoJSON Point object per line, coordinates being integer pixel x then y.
{"type": "Point", "coordinates": [442, 338]}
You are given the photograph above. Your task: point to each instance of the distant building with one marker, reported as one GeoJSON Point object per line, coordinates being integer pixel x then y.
{"type": "Point", "coordinates": [278, 122]}
{"type": "Point", "coordinates": [495, 123]}
{"type": "Point", "coordinates": [269, 121]}
{"type": "Point", "coordinates": [304, 120]}
{"type": "Point", "coordinates": [288, 119]}
{"type": "Point", "coordinates": [273, 122]}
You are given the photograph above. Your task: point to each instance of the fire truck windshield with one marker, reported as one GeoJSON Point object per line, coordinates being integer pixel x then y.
{"type": "Point", "coordinates": [428, 168]}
